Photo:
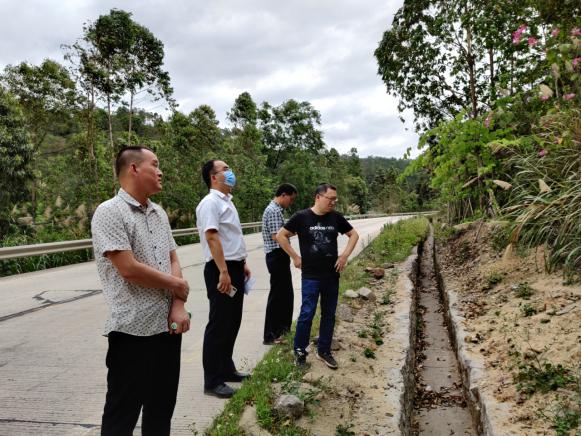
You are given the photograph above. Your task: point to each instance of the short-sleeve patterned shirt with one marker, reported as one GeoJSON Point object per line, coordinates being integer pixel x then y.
{"type": "Point", "coordinates": [122, 223]}
{"type": "Point", "coordinates": [273, 220]}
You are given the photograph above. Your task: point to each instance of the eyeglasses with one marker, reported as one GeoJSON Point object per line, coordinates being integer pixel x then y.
{"type": "Point", "coordinates": [331, 199]}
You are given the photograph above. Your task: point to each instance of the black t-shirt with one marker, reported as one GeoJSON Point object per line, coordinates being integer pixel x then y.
{"type": "Point", "coordinates": [318, 241]}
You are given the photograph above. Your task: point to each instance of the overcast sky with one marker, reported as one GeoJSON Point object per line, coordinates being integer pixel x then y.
{"type": "Point", "coordinates": [321, 51]}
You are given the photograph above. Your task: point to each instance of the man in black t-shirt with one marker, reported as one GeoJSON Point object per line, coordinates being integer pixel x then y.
{"type": "Point", "coordinates": [318, 229]}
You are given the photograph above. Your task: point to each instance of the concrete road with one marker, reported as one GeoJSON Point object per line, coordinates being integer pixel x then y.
{"type": "Point", "coordinates": [52, 352]}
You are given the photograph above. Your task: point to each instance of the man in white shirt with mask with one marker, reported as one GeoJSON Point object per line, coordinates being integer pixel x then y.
{"type": "Point", "coordinates": [225, 271]}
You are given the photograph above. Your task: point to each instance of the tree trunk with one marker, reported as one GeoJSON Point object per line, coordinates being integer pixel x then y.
{"type": "Point", "coordinates": [471, 64]}
{"type": "Point", "coordinates": [111, 140]}
{"type": "Point", "coordinates": [277, 159]}
{"type": "Point", "coordinates": [492, 74]}
{"type": "Point", "coordinates": [33, 197]}
{"type": "Point", "coordinates": [130, 114]}
{"type": "Point", "coordinates": [91, 145]}
{"type": "Point", "coordinates": [33, 202]}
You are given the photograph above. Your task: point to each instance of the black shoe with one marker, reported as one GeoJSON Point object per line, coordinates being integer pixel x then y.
{"type": "Point", "coordinates": [327, 359]}
{"type": "Point", "coordinates": [300, 358]}
{"type": "Point", "coordinates": [220, 391]}
{"type": "Point", "coordinates": [237, 377]}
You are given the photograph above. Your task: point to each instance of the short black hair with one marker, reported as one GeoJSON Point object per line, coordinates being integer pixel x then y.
{"type": "Point", "coordinates": [323, 188]}
{"type": "Point", "coordinates": [286, 188]}
{"type": "Point", "coordinates": [207, 171]}
{"type": "Point", "coordinates": [127, 155]}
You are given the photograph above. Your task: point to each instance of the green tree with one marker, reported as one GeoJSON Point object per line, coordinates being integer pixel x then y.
{"type": "Point", "coordinates": [441, 57]}
{"type": "Point", "coordinates": [289, 127]}
{"type": "Point", "coordinates": [16, 151]}
{"type": "Point", "coordinates": [47, 96]}
{"type": "Point", "coordinates": [304, 170]}
{"type": "Point", "coordinates": [353, 163]}
{"type": "Point", "coordinates": [243, 112]}
{"type": "Point", "coordinates": [103, 51]}
{"type": "Point", "coordinates": [142, 69]}
{"type": "Point", "coordinates": [244, 117]}
{"type": "Point", "coordinates": [116, 56]}
{"type": "Point", "coordinates": [357, 193]}
{"type": "Point", "coordinates": [206, 133]}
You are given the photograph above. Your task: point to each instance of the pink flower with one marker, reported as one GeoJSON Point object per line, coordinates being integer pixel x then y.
{"type": "Point", "coordinates": [575, 31]}
{"type": "Point", "coordinates": [576, 62]}
{"type": "Point", "coordinates": [531, 41]}
{"type": "Point", "coordinates": [569, 96]}
{"type": "Point", "coordinates": [544, 97]}
{"type": "Point", "coordinates": [542, 152]}
{"type": "Point", "coordinates": [555, 32]}
{"type": "Point", "coordinates": [487, 121]}
{"type": "Point", "coordinates": [517, 34]}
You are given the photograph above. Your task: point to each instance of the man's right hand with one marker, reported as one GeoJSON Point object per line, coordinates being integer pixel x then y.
{"type": "Point", "coordinates": [224, 283]}
{"type": "Point", "coordinates": [297, 262]}
{"type": "Point", "coordinates": [181, 289]}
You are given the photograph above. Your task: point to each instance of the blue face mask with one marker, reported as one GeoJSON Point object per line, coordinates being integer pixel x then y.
{"type": "Point", "coordinates": [229, 178]}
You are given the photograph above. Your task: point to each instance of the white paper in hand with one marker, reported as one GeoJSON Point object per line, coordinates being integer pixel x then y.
{"type": "Point", "coordinates": [249, 284]}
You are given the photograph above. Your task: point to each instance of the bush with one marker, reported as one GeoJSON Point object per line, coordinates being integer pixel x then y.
{"type": "Point", "coordinates": [537, 377]}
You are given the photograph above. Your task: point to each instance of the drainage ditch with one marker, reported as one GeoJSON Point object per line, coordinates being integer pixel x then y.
{"type": "Point", "coordinates": [440, 405]}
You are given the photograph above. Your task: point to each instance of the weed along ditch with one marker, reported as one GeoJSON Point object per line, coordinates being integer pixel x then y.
{"type": "Point", "coordinates": [410, 361]}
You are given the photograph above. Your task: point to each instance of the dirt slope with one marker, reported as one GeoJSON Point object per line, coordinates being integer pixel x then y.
{"type": "Point", "coordinates": [519, 319]}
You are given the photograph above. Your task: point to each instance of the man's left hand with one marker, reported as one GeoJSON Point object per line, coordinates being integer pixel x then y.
{"type": "Point", "coordinates": [179, 316]}
{"type": "Point", "coordinates": [341, 262]}
{"type": "Point", "coordinates": [247, 272]}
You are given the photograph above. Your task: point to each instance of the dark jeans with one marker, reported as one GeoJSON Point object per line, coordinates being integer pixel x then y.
{"type": "Point", "coordinates": [280, 303]}
{"type": "Point", "coordinates": [143, 371]}
{"type": "Point", "coordinates": [310, 291]}
{"type": "Point", "coordinates": [224, 319]}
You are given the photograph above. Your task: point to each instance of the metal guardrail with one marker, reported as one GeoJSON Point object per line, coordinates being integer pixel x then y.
{"type": "Point", "coordinates": [82, 244]}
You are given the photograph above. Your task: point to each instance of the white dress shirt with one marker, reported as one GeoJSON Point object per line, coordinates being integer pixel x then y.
{"type": "Point", "coordinates": [217, 211]}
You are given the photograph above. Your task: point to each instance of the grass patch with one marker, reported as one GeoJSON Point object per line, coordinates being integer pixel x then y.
{"type": "Point", "coordinates": [392, 245]}
{"type": "Point", "coordinates": [528, 310]}
{"type": "Point", "coordinates": [276, 366]}
{"type": "Point", "coordinates": [369, 353]}
{"type": "Point", "coordinates": [564, 415]}
{"type": "Point", "coordinates": [500, 236]}
{"type": "Point", "coordinates": [344, 430]}
{"type": "Point", "coordinates": [543, 377]}
{"type": "Point", "coordinates": [494, 278]}
{"type": "Point", "coordinates": [523, 290]}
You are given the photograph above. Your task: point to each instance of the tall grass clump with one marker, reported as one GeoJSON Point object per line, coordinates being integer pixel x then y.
{"type": "Point", "coordinates": [396, 240]}
{"type": "Point", "coordinates": [545, 197]}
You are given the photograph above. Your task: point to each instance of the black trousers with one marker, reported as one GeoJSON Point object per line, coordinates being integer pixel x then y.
{"type": "Point", "coordinates": [280, 303]}
{"type": "Point", "coordinates": [143, 372]}
{"type": "Point", "coordinates": [224, 320]}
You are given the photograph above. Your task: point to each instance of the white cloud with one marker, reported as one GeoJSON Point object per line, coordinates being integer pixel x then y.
{"type": "Point", "coordinates": [318, 51]}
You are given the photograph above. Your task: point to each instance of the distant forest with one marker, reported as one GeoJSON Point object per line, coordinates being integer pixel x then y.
{"type": "Point", "coordinates": [62, 124]}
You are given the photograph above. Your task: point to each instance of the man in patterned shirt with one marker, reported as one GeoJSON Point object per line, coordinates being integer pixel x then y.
{"type": "Point", "coordinates": [280, 303]}
{"type": "Point", "coordinates": [145, 294]}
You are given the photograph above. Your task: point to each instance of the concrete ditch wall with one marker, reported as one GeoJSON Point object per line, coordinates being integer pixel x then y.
{"type": "Point", "coordinates": [401, 376]}
{"type": "Point", "coordinates": [484, 408]}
